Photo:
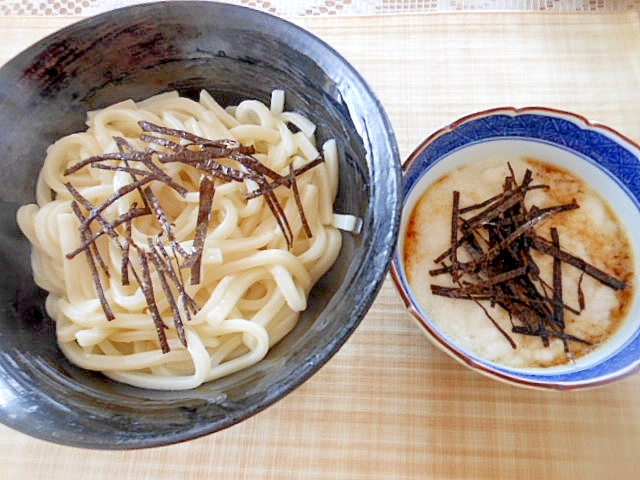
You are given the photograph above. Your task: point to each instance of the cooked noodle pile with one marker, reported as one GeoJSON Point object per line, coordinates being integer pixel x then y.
{"type": "Point", "coordinates": [135, 291]}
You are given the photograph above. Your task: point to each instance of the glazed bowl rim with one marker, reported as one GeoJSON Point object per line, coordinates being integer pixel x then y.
{"type": "Point", "coordinates": [412, 173]}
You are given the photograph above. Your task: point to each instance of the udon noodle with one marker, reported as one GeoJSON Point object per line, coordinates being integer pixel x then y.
{"type": "Point", "coordinates": [253, 279]}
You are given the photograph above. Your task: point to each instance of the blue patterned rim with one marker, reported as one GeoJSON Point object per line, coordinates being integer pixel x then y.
{"type": "Point", "coordinates": [612, 153]}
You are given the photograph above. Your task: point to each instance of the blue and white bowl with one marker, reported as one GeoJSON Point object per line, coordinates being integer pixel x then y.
{"type": "Point", "coordinates": [603, 158]}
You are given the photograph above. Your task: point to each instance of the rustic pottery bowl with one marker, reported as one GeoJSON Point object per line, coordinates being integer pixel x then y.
{"type": "Point", "coordinates": [136, 52]}
{"type": "Point", "coordinates": [599, 155]}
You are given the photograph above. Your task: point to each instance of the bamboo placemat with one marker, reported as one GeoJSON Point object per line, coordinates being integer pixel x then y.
{"type": "Point", "coordinates": [389, 405]}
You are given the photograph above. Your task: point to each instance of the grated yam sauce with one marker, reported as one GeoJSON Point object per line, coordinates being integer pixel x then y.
{"type": "Point", "coordinates": [591, 232]}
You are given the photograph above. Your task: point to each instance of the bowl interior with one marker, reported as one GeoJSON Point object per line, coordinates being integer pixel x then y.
{"type": "Point", "coordinates": [136, 52]}
{"type": "Point", "coordinates": [451, 149]}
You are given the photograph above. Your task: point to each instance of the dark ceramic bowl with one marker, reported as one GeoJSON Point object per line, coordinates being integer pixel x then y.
{"type": "Point", "coordinates": [136, 52]}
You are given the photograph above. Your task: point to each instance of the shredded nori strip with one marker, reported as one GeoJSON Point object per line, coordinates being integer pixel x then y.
{"type": "Point", "coordinates": [164, 254]}
{"type": "Point", "coordinates": [147, 289]}
{"type": "Point", "coordinates": [498, 239]}
{"type": "Point", "coordinates": [125, 218]}
{"type": "Point", "coordinates": [91, 253]}
{"type": "Point", "coordinates": [290, 181]}
{"type": "Point", "coordinates": [207, 190]}
{"type": "Point", "coordinates": [162, 270]}
{"type": "Point", "coordinates": [188, 304]}
{"type": "Point", "coordinates": [544, 246]}
{"type": "Point", "coordinates": [126, 247]}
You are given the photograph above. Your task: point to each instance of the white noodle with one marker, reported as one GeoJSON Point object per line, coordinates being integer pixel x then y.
{"type": "Point", "coordinates": [252, 287]}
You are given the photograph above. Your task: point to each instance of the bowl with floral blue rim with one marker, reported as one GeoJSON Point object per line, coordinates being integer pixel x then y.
{"type": "Point", "coordinates": [605, 159]}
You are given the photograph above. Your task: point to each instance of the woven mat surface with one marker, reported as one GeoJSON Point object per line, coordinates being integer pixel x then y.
{"type": "Point", "coordinates": [389, 405]}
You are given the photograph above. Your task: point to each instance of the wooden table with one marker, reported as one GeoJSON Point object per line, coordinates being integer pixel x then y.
{"type": "Point", "coordinates": [390, 405]}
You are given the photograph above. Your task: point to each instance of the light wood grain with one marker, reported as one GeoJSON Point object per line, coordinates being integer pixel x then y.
{"type": "Point", "coordinates": [389, 405]}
